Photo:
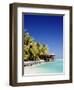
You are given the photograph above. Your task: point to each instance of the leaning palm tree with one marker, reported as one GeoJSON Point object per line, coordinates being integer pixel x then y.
{"type": "Point", "coordinates": [44, 49]}
{"type": "Point", "coordinates": [33, 49]}
{"type": "Point", "coordinates": [27, 39]}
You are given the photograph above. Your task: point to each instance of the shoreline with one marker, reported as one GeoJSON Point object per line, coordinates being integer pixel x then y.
{"type": "Point", "coordinates": [30, 63]}
{"type": "Point", "coordinates": [43, 68]}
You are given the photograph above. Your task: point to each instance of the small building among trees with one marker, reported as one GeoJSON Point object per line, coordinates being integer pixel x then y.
{"type": "Point", "coordinates": [47, 57]}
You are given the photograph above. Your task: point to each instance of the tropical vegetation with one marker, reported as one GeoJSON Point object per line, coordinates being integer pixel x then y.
{"type": "Point", "coordinates": [32, 48]}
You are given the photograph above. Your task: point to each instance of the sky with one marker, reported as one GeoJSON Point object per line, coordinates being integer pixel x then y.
{"type": "Point", "coordinates": [46, 29]}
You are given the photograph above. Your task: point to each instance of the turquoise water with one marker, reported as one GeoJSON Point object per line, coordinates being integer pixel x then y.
{"type": "Point", "coordinates": [45, 68]}
{"type": "Point", "coordinates": [51, 67]}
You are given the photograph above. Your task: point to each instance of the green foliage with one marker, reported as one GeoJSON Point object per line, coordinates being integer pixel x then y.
{"type": "Point", "coordinates": [33, 49]}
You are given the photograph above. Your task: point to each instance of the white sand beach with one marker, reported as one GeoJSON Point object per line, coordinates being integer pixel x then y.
{"type": "Point", "coordinates": [31, 70]}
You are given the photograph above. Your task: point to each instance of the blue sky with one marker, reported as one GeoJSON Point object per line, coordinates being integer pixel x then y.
{"type": "Point", "coordinates": [47, 30]}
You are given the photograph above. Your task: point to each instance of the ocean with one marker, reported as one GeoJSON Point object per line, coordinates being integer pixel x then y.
{"type": "Point", "coordinates": [45, 68]}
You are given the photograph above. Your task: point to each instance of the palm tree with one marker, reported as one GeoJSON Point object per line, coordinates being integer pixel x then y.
{"type": "Point", "coordinates": [27, 38]}
{"type": "Point", "coordinates": [44, 49]}
{"type": "Point", "coordinates": [33, 49]}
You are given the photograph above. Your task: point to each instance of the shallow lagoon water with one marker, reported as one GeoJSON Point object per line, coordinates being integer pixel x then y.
{"type": "Point", "coordinates": [45, 68]}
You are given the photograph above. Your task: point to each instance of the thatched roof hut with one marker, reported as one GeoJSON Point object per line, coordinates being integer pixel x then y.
{"type": "Point", "coordinates": [47, 57]}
